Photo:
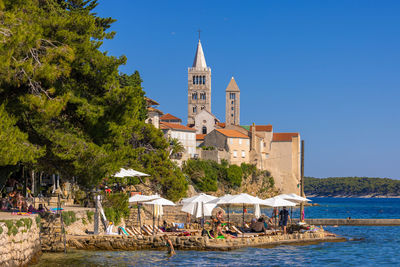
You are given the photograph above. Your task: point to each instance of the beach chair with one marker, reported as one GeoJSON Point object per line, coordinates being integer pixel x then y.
{"type": "Point", "coordinates": [234, 228]}
{"type": "Point", "coordinates": [131, 233]}
{"type": "Point", "coordinates": [147, 230]}
{"type": "Point", "coordinates": [123, 230]}
{"type": "Point", "coordinates": [136, 231]}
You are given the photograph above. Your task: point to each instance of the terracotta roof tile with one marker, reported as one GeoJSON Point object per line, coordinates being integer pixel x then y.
{"type": "Point", "coordinates": [232, 133]}
{"type": "Point", "coordinates": [284, 137]}
{"type": "Point", "coordinates": [169, 117]}
{"type": "Point", "coordinates": [155, 110]}
{"type": "Point", "coordinates": [262, 128]}
{"type": "Point", "coordinates": [221, 124]}
{"type": "Point", "coordinates": [175, 126]}
{"type": "Point", "coordinates": [150, 101]}
{"type": "Point", "coordinates": [200, 136]}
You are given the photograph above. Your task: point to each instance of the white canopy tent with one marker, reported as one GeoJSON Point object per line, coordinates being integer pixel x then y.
{"type": "Point", "coordinates": [141, 199]}
{"type": "Point", "coordinates": [198, 205]}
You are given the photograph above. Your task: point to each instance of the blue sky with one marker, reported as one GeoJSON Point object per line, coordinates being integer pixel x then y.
{"type": "Point", "coordinates": [327, 69]}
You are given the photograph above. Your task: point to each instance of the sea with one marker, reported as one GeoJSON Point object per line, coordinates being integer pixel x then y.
{"type": "Point", "coordinates": [365, 245]}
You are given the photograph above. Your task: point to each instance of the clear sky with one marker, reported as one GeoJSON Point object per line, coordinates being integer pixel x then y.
{"type": "Point", "coordinates": [327, 69]}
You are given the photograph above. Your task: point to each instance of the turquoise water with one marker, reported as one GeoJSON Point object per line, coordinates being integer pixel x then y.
{"type": "Point", "coordinates": [367, 246]}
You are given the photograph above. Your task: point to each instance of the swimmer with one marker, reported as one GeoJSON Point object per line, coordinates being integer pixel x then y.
{"type": "Point", "coordinates": [169, 245]}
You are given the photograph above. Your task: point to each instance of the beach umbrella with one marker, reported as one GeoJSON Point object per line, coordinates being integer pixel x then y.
{"type": "Point", "coordinates": [140, 199]}
{"type": "Point", "coordinates": [222, 201]}
{"type": "Point", "coordinates": [294, 198]}
{"type": "Point", "coordinates": [198, 207]}
{"type": "Point", "coordinates": [277, 202]}
{"type": "Point", "coordinates": [161, 202]}
{"type": "Point", "coordinates": [241, 199]}
{"type": "Point", "coordinates": [129, 173]}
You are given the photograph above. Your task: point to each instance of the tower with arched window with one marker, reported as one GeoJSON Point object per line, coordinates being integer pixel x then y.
{"type": "Point", "coordinates": [199, 85]}
{"type": "Point", "coordinates": [232, 103]}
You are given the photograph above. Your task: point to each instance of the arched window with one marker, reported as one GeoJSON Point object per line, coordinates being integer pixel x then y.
{"type": "Point", "coordinates": [203, 96]}
{"type": "Point", "coordinates": [194, 96]}
{"type": "Point", "coordinates": [202, 107]}
{"type": "Point", "coordinates": [204, 130]}
{"type": "Point", "coordinates": [204, 79]}
{"type": "Point", "coordinates": [194, 109]}
{"type": "Point", "coordinates": [194, 80]}
{"type": "Point", "coordinates": [200, 79]}
{"type": "Point", "coordinates": [197, 79]}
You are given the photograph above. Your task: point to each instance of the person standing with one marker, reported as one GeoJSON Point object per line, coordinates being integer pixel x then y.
{"type": "Point", "coordinates": [283, 219]}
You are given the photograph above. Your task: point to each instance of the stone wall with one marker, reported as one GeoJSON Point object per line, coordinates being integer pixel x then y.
{"type": "Point", "coordinates": [19, 241]}
{"type": "Point", "coordinates": [103, 242]}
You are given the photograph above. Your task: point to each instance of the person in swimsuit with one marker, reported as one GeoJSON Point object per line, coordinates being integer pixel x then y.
{"type": "Point", "coordinates": [170, 246]}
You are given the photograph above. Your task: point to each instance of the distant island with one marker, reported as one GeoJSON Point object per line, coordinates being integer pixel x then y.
{"type": "Point", "coordinates": [351, 187]}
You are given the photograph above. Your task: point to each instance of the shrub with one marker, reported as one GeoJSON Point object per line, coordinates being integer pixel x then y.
{"type": "Point", "coordinates": [84, 222]}
{"type": "Point", "coordinates": [1, 230]}
{"type": "Point", "coordinates": [19, 223]}
{"type": "Point", "coordinates": [90, 215]}
{"type": "Point", "coordinates": [68, 217]}
{"type": "Point", "coordinates": [234, 175]}
{"type": "Point", "coordinates": [38, 219]}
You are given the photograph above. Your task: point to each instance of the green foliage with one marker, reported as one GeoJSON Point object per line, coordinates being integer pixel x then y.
{"type": "Point", "coordinates": [248, 169]}
{"type": "Point", "coordinates": [234, 175]}
{"type": "Point", "coordinates": [79, 196]}
{"type": "Point", "coordinates": [208, 148]}
{"type": "Point", "coordinates": [19, 223]}
{"type": "Point", "coordinates": [351, 186]}
{"type": "Point", "coordinates": [1, 230]}
{"type": "Point", "coordinates": [203, 173]}
{"type": "Point", "coordinates": [84, 222]}
{"type": "Point", "coordinates": [27, 222]}
{"type": "Point", "coordinates": [90, 215]}
{"type": "Point", "coordinates": [116, 206]}
{"type": "Point", "coordinates": [69, 217]}
{"type": "Point", "coordinates": [38, 219]}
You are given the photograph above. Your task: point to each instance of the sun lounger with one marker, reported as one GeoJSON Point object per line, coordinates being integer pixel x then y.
{"type": "Point", "coordinates": [130, 232]}
{"type": "Point", "coordinates": [147, 230]}
{"type": "Point", "coordinates": [234, 228]}
{"type": "Point", "coordinates": [123, 230]}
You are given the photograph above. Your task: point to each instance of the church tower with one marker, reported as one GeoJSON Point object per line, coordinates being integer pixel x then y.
{"type": "Point", "coordinates": [199, 85]}
{"type": "Point", "coordinates": [232, 103]}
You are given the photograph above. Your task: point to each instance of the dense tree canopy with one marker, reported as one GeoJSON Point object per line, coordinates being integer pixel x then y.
{"type": "Point", "coordinates": [351, 186]}
{"type": "Point", "coordinates": [68, 109]}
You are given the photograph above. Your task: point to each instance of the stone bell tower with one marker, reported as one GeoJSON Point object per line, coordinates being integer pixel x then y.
{"type": "Point", "coordinates": [232, 103]}
{"type": "Point", "coordinates": [199, 85]}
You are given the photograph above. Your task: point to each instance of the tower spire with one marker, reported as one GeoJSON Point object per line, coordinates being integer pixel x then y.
{"type": "Point", "coordinates": [199, 59]}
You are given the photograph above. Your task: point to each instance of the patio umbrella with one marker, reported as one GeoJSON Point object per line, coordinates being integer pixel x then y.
{"type": "Point", "coordinates": [294, 198]}
{"type": "Point", "coordinates": [257, 211]}
{"type": "Point", "coordinates": [198, 206]}
{"type": "Point", "coordinates": [129, 173]}
{"type": "Point", "coordinates": [140, 199]}
{"type": "Point", "coordinates": [241, 199]}
{"type": "Point", "coordinates": [276, 202]}
{"type": "Point", "coordinates": [222, 201]}
{"type": "Point", "coordinates": [159, 201]}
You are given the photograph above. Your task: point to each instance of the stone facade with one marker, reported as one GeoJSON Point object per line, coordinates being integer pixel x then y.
{"type": "Point", "coordinates": [185, 135]}
{"type": "Point", "coordinates": [205, 122]}
{"type": "Point", "coordinates": [199, 85]}
{"type": "Point", "coordinates": [232, 103]}
{"type": "Point", "coordinates": [19, 244]}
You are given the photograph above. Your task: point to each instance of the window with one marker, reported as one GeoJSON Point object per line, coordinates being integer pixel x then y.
{"type": "Point", "coordinates": [232, 102]}
{"type": "Point", "coordinates": [243, 154]}
{"type": "Point", "coordinates": [194, 96]}
{"type": "Point", "coordinates": [197, 79]}
{"type": "Point", "coordinates": [204, 130]}
{"type": "Point", "coordinates": [194, 80]}
{"type": "Point", "coordinates": [232, 96]}
{"type": "Point", "coordinates": [204, 79]}
{"type": "Point", "coordinates": [200, 79]}
{"type": "Point", "coordinates": [232, 108]}
{"type": "Point", "coordinates": [261, 145]}
{"type": "Point", "coordinates": [266, 156]}
{"type": "Point", "coordinates": [248, 142]}
{"type": "Point", "coordinates": [230, 141]}
{"type": "Point", "coordinates": [240, 141]}
{"type": "Point", "coordinates": [234, 153]}
{"type": "Point", "coordinates": [232, 115]}
{"type": "Point", "coordinates": [194, 109]}
{"type": "Point", "coordinates": [203, 96]}
{"type": "Point", "coordinates": [202, 107]}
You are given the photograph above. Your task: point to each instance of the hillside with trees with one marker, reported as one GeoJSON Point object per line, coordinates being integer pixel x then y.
{"type": "Point", "coordinates": [351, 186]}
{"type": "Point", "coordinates": [64, 106]}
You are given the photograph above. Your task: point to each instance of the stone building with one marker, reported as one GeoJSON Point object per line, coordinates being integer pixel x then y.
{"type": "Point", "coordinates": [205, 122]}
{"type": "Point", "coordinates": [199, 85]}
{"type": "Point", "coordinates": [153, 114]}
{"type": "Point", "coordinates": [185, 135]}
{"type": "Point", "coordinates": [232, 103]}
{"type": "Point", "coordinates": [170, 119]}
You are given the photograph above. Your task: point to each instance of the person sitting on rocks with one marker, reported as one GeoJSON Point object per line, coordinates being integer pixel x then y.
{"type": "Point", "coordinates": [259, 226]}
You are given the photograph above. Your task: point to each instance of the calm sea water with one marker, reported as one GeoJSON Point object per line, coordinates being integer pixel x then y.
{"type": "Point", "coordinates": [367, 246]}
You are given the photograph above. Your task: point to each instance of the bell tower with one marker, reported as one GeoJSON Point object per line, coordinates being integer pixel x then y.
{"type": "Point", "coordinates": [199, 85]}
{"type": "Point", "coordinates": [232, 103]}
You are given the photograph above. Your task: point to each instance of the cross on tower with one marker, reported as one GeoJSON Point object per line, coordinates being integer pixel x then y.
{"type": "Point", "coordinates": [199, 33]}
